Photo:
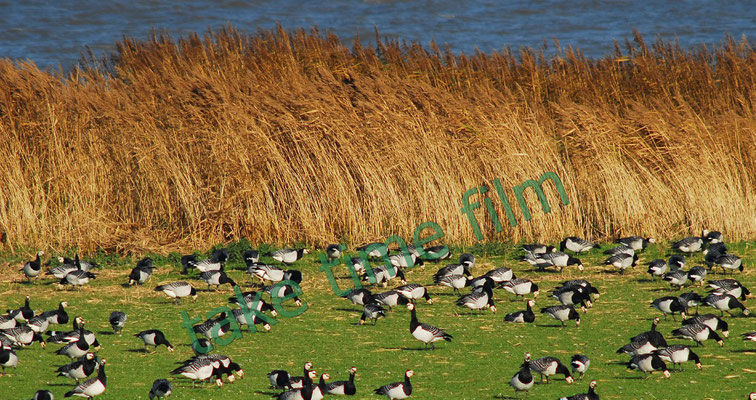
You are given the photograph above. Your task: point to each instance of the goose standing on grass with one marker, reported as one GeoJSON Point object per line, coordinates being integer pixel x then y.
{"type": "Point", "coordinates": [77, 278]}
{"type": "Point", "coordinates": [690, 300]}
{"type": "Point", "coordinates": [198, 370]}
{"type": "Point", "coordinates": [578, 283]}
{"type": "Point", "coordinates": [359, 297]}
{"type": "Point", "coordinates": [697, 274]}
{"type": "Point", "coordinates": [676, 278]}
{"type": "Point", "coordinates": [43, 395]}
{"type": "Point", "coordinates": [391, 298]}
{"type": "Point", "coordinates": [622, 249]}
{"type": "Point", "coordinates": [523, 381]}
{"type": "Point", "coordinates": [59, 316]}
{"type": "Point", "coordinates": [591, 395]}
{"type": "Point", "coordinates": [288, 256]}
{"type": "Point", "coordinates": [241, 319]}
{"type": "Point", "coordinates": [725, 302]}
{"type": "Point", "coordinates": [31, 268]}
{"type": "Point", "coordinates": [676, 262]}
{"type": "Point", "coordinates": [92, 387]}
{"type": "Point", "coordinates": [547, 366]}
{"type": "Point", "coordinates": [688, 245]}
{"type": "Point", "coordinates": [378, 249]}
{"type": "Point", "coordinates": [438, 253]}
{"type": "Point", "coordinates": [38, 324]}
{"type": "Point", "coordinates": [23, 335]}
{"type": "Point", "coordinates": [729, 262]}
{"type": "Point", "coordinates": [648, 363]}
{"type": "Point", "coordinates": [500, 275]}
{"type": "Point", "coordinates": [526, 316]}
{"type": "Point", "coordinates": [266, 272]}
{"type": "Point", "coordinates": [343, 387]}
{"type": "Point", "coordinates": [117, 321]}
{"type": "Point", "coordinates": [577, 245]}
{"type": "Point", "coordinates": [622, 261]}
{"type": "Point", "coordinates": [142, 272]}
{"type": "Point", "coordinates": [398, 390]}
{"type": "Point", "coordinates": [79, 369]}
{"type": "Point", "coordinates": [217, 260]}
{"type": "Point", "coordinates": [279, 379]}
{"type": "Point", "coordinates": [712, 321]}
{"type": "Point", "coordinates": [731, 287]}
{"type": "Point", "coordinates": [479, 300]}
{"type": "Point", "coordinates": [372, 311]}
{"type": "Point", "coordinates": [678, 354]}
{"type": "Point", "coordinates": [250, 257]}
{"type": "Point", "coordinates": [669, 305]}
{"type": "Point", "coordinates": [333, 251]}
{"type": "Point", "coordinates": [154, 337]}
{"type": "Point", "coordinates": [653, 336]}
{"type": "Point", "coordinates": [24, 313]}
{"type": "Point", "coordinates": [657, 268]}
{"type": "Point", "coordinates": [520, 287]}
{"type": "Point", "coordinates": [209, 330]}
{"type": "Point", "coordinates": [384, 274]}
{"type": "Point", "coordinates": [160, 388]}
{"type": "Point", "coordinates": [178, 290]}
{"type": "Point", "coordinates": [641, 346]}
{"type": "Point", "coordinates": [580, 363]}
{"type": "Point", "coordinates": [8, 358]}
{"type": "Point", "coordinates": [455, 281]}
{"type": "Point", "coordinates": [636, 242]}
{"type": "Point", "coordinates": [7, 322]}
{"type": "Point", "coordinates": [711, 237]}
{"type": "Point", "coordinates": [453, 269]}
{"type": "Point", "coordinates": [216, 278]}
{"type": "Point", "coordinates": [76, 349]}
{"type": "Point", "coordinates": [559, 260]}
{"type": "Point", "coordinates": [414, 291]}
{"type": "Point", "coordinates": [749, 336]}
{"type": "Point", "coordinates": [538, 248]}
{"type": "Point", "coordinates": [425, 333]}
{"type": "Point", "coordinates": [698, 333]}
{"type": "Point", "coordinates": [573, 297]}
{"type": "Point", "coordinates": [562, 313]}
{"type": "Point", "coordinates": [304, 392]}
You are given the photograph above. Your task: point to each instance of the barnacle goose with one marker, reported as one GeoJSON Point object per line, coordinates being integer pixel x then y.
{"type": "Point", "coordinates": [657, 267]}
{"type": "Point", "coordinates": [642, 346]}
{"type": "Point", "coordinates": [31, 268]}
{"type": "Point", "coordinates": [676, 278]}
{"type": "Point", "coordinates": [676, 262]}
{"type": "Point", "coordinates": [538, 248]}
{"type": "Point", "coordinates": [648, 363]}
{"type": "Point", "coordinates": [526, 316]}
{"type": "Point", "coordinates": [91, 387]}
{"type": "Point", "coordinates": [698, 333]}
{"type": "Point", "coordinates": [216, 278]}
{"type": "Point", "coordinates": [378, 249]}
{"type": "Point", "coordinates": [562, 313]}
{"type": "Point", "coordinates": [729, 262]}
{"type": "Point", "coordinates": [333, 251]}
{"type": "Point", "coordinates": [424, 332]}
{"type": "Point", "coordinates": [523, 381]}
{"type": "Point", "coordinates": [500, 275]}
{"type": "Point", "coordinates": [414, 291]}
{"type": "Point", "coordinates": [749, 336]}
{"type": "Point", "coordinates": [580, 363]}
{"type": "Point", "coordinates": [455, 281]}
{"type": "Point", "coordinates": [8, 358]}
{"type": "Point", "coordinates": [653, 336]}
{"type": "Point", "coordinates": [711, 237]}
{"type": "Point", "coordinates": [43, 395]}
{"type": "Point", "coordinates": [117, 320]}
{"type": "Point", "coordinates": [520, 287]}
{"type": "Point", "coordinates": [622, 261]}
{"type": "Point", "coordinates": [24, 313]}
{"type": "Point", "coordinates": [688, 245]}
{"type": "Point", "coordinates": [731, 287]}
{"type": "Point", "coordinates": [343, 387]}
{"type": "Point", "coordinates": [241, 319]}
{"type": "Point", "coordinates": [480, 300]}
{"type": "Point", "coordinates": [547, 366]}
{"type": "Point", "coordinates": [178, 290]}
{"type": "Point", "coordinates": [22, 335]}
{"type": "Point", "coordinates": [81, 368]}
{"type": "Point", "coordinates": [359, 297]}
{"type": "Point", "coordinates": [142, 272]}
{"type": "Point", "coordinates": [710, 320]}
{"type": "Point", "coordinates": [59, 316]}
{"type": "Point", "coordinates": [558, 259]}
{"type": "Point", "coordinates": [669, 305]}
{"type": "Point", "coordinates": [288, 256]}
{"type": "Point", "coordinates": [372, 311]}
{"type": "Point", "coordinates": [398, 390]}
{"type": "Point", "coordinates": [574, 296]}
{"type": "Point", "coordinates": [160, 388]}
{"type": "Point", "coordinates": [591, 395]}
{"type": "Point", "coordinates": [391, 298]}
{"type": "Point", "coordinates": [154, 337]}
{"type": "Point", "coordinates": [577, 245]}
{"type": "Point", "coordinates": [198, 370]}
{"type": "Point", "coordinates": [636, 242]}
{"type": "Point", "coordinates": [697, 274]}
{"type": "Point", "coordinates": [623, 249]}
{"type": "Point", "coordinates": [725, 302]}
{"type": "Point", "coordinates": [690, 299]}
{"type": "Point", "coordinates": [678, 354]}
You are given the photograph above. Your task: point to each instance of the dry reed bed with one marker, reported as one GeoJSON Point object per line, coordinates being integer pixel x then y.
{"type": "Point", "coordinates": [285, 137]}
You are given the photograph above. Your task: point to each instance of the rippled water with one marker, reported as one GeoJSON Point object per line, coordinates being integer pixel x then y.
{"type": "Point", "coordinates": [55, 33]}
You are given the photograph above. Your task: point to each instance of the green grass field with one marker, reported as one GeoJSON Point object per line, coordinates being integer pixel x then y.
{"type": "Point", "coordinates": [478, 364]}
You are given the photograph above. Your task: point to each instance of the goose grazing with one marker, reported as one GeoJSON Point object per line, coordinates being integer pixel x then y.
{"type": "Point", "coordinates": [648, 363]}
{"type": "Point", "coordinates": [424, 332]}
{"type": "Point", "coordinates": [479, 300]}
{"type": "Point", "coordinates": [160, 388]}
{"type": "Point", "coordinates": [636, 347]}
{"type": "Point", "coordinates": [725, 302]}
{"type": "Point", "coordinates": [80, 369]}
{"type": "Point", "coordinates": [43, 395]}
{"type": "Point", "coordinates": [585, 290]}
{"type": "Point", "coordinates": [523, 380]}
{"type": "Point", "coordinates": [72, 336]}
{"type": "Point", "coordinates": [281, 292]}
{"type": "Point", "coordinates": [729, 262]}
{"type": "Point", "coordinates": [288, 256]}
{"type": "Point", "coordinates": [59, 316]}
{"type": "Point", "coordinates": [216, 278]}
{"type": "Point", "coordinates": [657, 267]}
{"type": "Point", "coordinates": [455, 281]}
{"type": "Point", "coordinates": [591, 395]}
{"type": "Point", "coordinates": [250, 257]}
{"type": "Point", "coordinates": [414, 291]}
{"type": "Point", "coordinates": [8, 358]}
{"type": "Point", "coordinates": [392, 298]}
{"type": "Point", "coordinates": [266, 272]}
{"type": "Point", "coordinates": [559, 260]}
{"type": "Point", "coordinates": [716, 248]}
{"type": "Point", "coordinates": [577, 245]}
{"type": "Point", "coordinates": [212, 328]}
{"type": "Point", "coordinates": [91, 387]}
{"type": "Point", "coordinates": [697, 274]}
{"type": "Point", "coordinates": [402, 261]}
{"type": "Point", "coordinates": [678, 354]}
{"type": "Point", "coordinates": [241, 319]}
{"type": "Point", "coordinates": [652, 336]}
{"type": "Point", "coordinates": [538, 248]}
{"type": "Point", "coordinates": [562, 313]}
{"type": "Point", "coordinates": [250, 301]}
{"type": "Point", "coordinates": [620, 250]}
{"type": "Point", "coordinates": [749, 336]}
{"type": "Point", "coordinates": [358, 264]}
{"type": "Point", "coordinates": [622, 261]}
{"type": "Point", "coordinates": [578, 283]}
{"type": "Point", "coordinates": [378, 249]}
{"type": "Point", "coordinates": [7, 322]}
{"type": "Point", "coordinates": [383, 275]}
{"type": "Point", "coordinates": [178, 290]}
{"type": "Point", "coordinates": [574, 296]}
{"type": "Point", "coordinates": [520, 287]}
{"type": "Point", "coordinates": [154, 337]}
{"type": "Point", "coordinates": [31, 268]}
{"type": "Point", "coordinates": [22, 335]}
{"type": "Point", "coordinates": [526, 316]}
{"type": "Point", "coordinates": [437, 253]}
{"type": "Point", "coordinates": [333, 251]}
{"type": "Point", "coordinates": [343, 387]}
{"type": "Point", "coordinates": [24, 313]}
{"type": "Point", "coordinates": [669, 305]}
{"type": "Point", "coordinates": [359, 297]}
{"type": "Point", "coordinates": [77, 278]}
{"type": "Point", "coordinates": [676, 262]}
{"type": "Point", "coordinates": [117, 321]}
{"type": "Point", "coordinates": [500, 275]}
{"type": "Point", "coordinates": [199, 370]}
{"type": "Point", "coordinates": [688, 245]}
{"type": "Point", "coordinates": [279, 379]}
{"type": "Point", "coordinates": [142, 272]}
{"type": "Point", "coordinates": [731, 287]}
{"type": "Point", "coordinates": [547, 366]}
{"type": "Point", "coordinates": [398, 390]}
{"type": "Point", "coordinates": [38, 324]}
{"type": "Point", "coordinates": [636, 242]}
{"type": "Point", "coordinates": [225, 361]}
{"type": "Point", "coordinates": [698, 333]}
{"type": "Point", "coordinates": [710, 320]}
{"type": "Point", "coordinates": [218, 258]}
{"type": "Point", "coordinates": [676, 278]}
{"type": "Point", "coordinates": [580, 363]}
{"type": "Point", "coordinates": [711, 237]}
{"type": "Point", "coordinates": [372, 311]}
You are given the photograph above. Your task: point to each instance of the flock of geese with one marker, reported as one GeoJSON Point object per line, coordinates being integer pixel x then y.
{"type": "Point", "coordinates": [648, 351]}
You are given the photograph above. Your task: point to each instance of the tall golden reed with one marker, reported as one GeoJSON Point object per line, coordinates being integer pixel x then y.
{"type": "Point", "coordinates": [284, 137]}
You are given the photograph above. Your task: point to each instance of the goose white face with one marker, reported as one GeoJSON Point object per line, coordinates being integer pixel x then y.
{"type": "Point", "coordinates": [410, 373]}
{"type": "Point", "coordinates": [570, 379]}
{"type": "Point", "coordinates": [666, 374]}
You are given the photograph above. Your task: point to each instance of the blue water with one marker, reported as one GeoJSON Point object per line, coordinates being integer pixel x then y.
{"type": "Point", "coordinates": [54, 34]}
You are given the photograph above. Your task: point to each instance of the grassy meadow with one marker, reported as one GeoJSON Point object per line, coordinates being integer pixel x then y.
{"type": "Point", "coordinates": [477, 364]}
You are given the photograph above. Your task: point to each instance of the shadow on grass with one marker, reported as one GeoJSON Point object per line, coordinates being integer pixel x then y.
{"type": "Point", "coordinates": [269, 394]}
{"type": "Point", "coordinates": [743, 351]}
{"type": "Point", "coordinates": [142, 351]}
{"type": "Point", "coordinates": [550, 326]}
{"type": "Point", "coordinates": [410, 348]}
{"type": "Point", "coordinates": [501, 396]}
{"type": "Point", "coordinates": [105, 333]}
{"type": "Point", "coordinates": [354, 310]}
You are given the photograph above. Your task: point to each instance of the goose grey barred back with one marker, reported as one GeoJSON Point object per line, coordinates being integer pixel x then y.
{"type": "Point", "coordinates": [623, 249]}
{"type": "Point", "coordinates": [636, 347]}
{"type": "Point", "coordinates": [657, 267]}
{"type": "Point", "coordinates": [7, 322]}
{"type": "Point", "coordinates": [688, 245]}
{"type": "Point", "coordinates": [720, 248]}
{"type": "Point", "coordinates": [455, 282]}
{"type": "Point", "coordinates": [333, 251]}
{"type": "Point", "coordinates": [43, 395]}
{"type": "Point", "coordinates": [216, 261]}
{"type": "Point", "coordinates": [524, 316]}
{"type": "Point", "coordinates": [636, 242]}
{"type": "Point", "coordinates": [391, 299]}
{"type": "Point", "coordinates": [538, 248]}
{"type": "Point", "coordinates": [372, 311]}
{"type": "Point", "coordinates": [710, 320]}
{"type": "Point", "coordinates": [669, 305]}
{"type": "Point", "coordinates": [547, 366]}
{"type": "Point", "coordinates": [346, 388]}
{"type": "Point", "coordinates": [711, 237]}
{"type": "Point", "coordinates": [154, 337]}
{"type": "Point", "coordinates": [224, 360]}
{"type": "Point", "coordinates": [360, 296]}
{"type": "Point", "coordinates": [587, 290]}
{"type": "Point", "coordinates": [77, 278]}
{"type": "Point", "coordinates": [216, 278]}
{"type": "Point", "coordinates": [425, 333]}
{"type": "Point", "coordinates": [32, 268]}
{"type": "Point", "coordinates": [577, 245]}
{"type": "Point", "coordinates": [559, 260]}
{"type": "Point", "coordinates": [281, 291]}
{"type": "Point", "coordinates": [160, 388]}
{"type": "Point", "coordinates": [575, 283]}
{"type": "Point", "coordinates": [648, 363]}
{"type": "Point", "coordinates": [91, 387]}
{"type": "Point", "coordinates": [676, 262]}
{"type": "Point", "coordinates": [523, 381]}
{"type": "Point", "coordinates": [500, 275]}
{"type": "Point", "coordinates": [579, 363]}
{"type": "Point", "coordinates": [690, 300]}
{"type": "Point", "coordinates": [22, 336]}
{"type": "Point", "coordinates": [38, 324]}
{"type": "Point", "coordinates": [402, 261]}
{"type": "Point", "coordinates": [697, 274]}
{"type": "Point", "coordinates": [213, 327]}
{"type": "Point", "coordinates": [142, 272]}
{"type": "Point", "coordinates": [652, 336]}
{"type": "Point", "coordinates": [250, 300]}
{"type": "Point", "coordinates": [562, 313]}
{"type": "Point", "coordinates": [725, 302]}
{"type": "Point", "coordinates": [266, 272]}
{"type": "Point", "coordinates": [250, 257]}
{"type": "Point", "coordinates": [414, 291]}
{"type": "Point", "coordinates": [468, 260]}
{"type": "Point", "coordinates": [288, 256]}
{"type": "Point", "coordinates": [678, 354]}
{"type": "Point", "coordinates": [377, 249]}
{"type": "Point", "coordinates": [452, 269]}
{"type": "Point", "coordinates": [437, 253]}
{"type": "Point", "coordinates": [622, 261]}
{"type": "Point", "coordinates": [480, 283]}
{"type": "Point", "coordinates": [749, 336]}
{"type": "Point", "coordinates": [81, 368]}
{"type": "Point", "coordinates": [241, 319]}
{"type": "Point", "coordinates": [59, 316]}
{"type": "Point", "coordinates": [479, 301]}
{"type": "Point", "coordinates": [397, 390]}
{"type": "Point", "coordinates": [676, 278]}
{"type": "Point", "coordinates": [358, 264]}
{"type": "Point", "coordinates": [520, 287]}
{"type": "Point", "coordinates": [573, 297]}
{"type": "Point", "coordinates": [731, 287]}
{"type": "Point", "coordinates": [8, 359]}
{"type": "Point", "coordinates": [177, 290]}
{"type": "Point", "coordinates": [384, 274]}
{"type": "Point", "coordinates": [729, 262]}
{"type": "Point", "coordinates": [117, 320]}
{"type": "Point", "coordinates": [591, 395]}
{"type": "Point", "coordinates": [698, 333]}
{"type": "Point", "coordinates": [199, 370]}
